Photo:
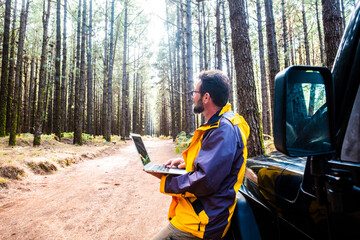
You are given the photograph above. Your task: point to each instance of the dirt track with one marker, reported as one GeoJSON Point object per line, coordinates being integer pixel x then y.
{"type": "Point", "coordinates": [105, 198]}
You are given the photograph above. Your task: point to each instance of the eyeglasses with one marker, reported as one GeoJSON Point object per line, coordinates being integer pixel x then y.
{"type": "Point", "coordinates": [194, 92]}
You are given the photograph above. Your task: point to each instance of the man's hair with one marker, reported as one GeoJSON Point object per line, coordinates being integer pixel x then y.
{"type": "Point", "coordinates": [216, 83]}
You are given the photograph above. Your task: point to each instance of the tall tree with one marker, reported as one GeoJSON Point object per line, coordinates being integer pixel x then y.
{"type": "Point", "coordinates": [319, 33]}
{"type": "Point", "coordinates": [105, 82]}
{"type": "Point", "coordinates": [4, 69]}
{"type": "Point", "coordinates": [274, 66]}
{"type": "Point", "coordinates": [306, 40]}
{"type": "Point", "coordinates": [286, 54]}
{"type": "Point", "coordinates": [332, 29]}
{"type": "Point", "coordinates": [57, 95]}
{"type": "Point", "coordinates": [63, 74]}
{"type": "Point", "coordinates": [227, 54]}
{"type": "Point", "coordinates": [218, 37]}
{"type": "Point", "coordinates": [19, 62]}
{"type": "Point", "coordinates": [189, 70]}
{"type": "Point", "coordinates": [245, 75]}
{"type": "Point", "coordinates": [111, 65]}
{"type": "Point", "coordinates": [89, 77]}
{"type": "Point", "coordinates": [33, 99]}
{"type": "Point", "coordinates": [171, 76]}
{"type": "Point", "coordinates": [80, 84]}
{"type": "Point", "coordinates": [124, 104]}
{"type": "Point", "coordinates": [11, 69]}
{"type": "Point", "coordinates": [266, 113]}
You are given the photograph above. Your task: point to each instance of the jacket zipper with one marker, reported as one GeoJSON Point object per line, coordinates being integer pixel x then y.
{"type": "Point", "coordinates": [199, 226]}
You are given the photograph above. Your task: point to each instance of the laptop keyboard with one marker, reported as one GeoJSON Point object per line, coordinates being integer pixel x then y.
{"type": "Point", "coordinates": [158, 168]}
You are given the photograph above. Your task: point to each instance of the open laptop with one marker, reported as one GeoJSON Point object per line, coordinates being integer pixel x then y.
{"type": "Point", "coordinates": [145, 159]}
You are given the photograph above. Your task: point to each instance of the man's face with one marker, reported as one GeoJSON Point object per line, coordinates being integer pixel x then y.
{"type": "Point", "coordinates": [197, 98]}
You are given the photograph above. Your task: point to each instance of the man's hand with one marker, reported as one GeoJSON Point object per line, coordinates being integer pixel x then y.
{"type": "Point", "coordinates": [178, 162]}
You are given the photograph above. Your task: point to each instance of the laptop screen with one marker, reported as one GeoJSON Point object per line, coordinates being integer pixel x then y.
{"type": "Point", "coordinates": [141, 149]}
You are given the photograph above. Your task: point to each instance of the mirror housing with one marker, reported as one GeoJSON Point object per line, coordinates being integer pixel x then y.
{"type": "Point", "coordinates": [303, 108]}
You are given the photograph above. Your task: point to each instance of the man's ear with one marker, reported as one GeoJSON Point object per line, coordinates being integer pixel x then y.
{"type": "Point", "coordinates": [206, 98]}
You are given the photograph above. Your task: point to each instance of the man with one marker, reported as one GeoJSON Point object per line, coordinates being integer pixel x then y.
{"type": "Point", "coordinates": [203, 200]}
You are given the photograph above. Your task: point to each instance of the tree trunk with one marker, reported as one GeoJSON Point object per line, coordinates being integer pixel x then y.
{"type": "Point", "coordinates": [201, 50]}
{"type": "Point", "coordinates": [19, 62]}
{"type": "Point", "coordinates": [124, 105]}
{"type": "Point", "coordinates": [205, 38]}
{"type": "Point", "coordinates": [178, 73]}
{"type": "Point", "coordinates": [319, 33]}
{"type": "Point", "coordinates": [57, 95]}
{"type": "Point", "coordinates": [111, 64]}
{"type": "Point", "coordinates": [105, 83]}
{"type": "Point", "coordinates": [286, 54]}
{"type": "Point", "coordinates": [171, 76]}
{"type": "Point", "coordinates": [4, 69]}
{"type": "Point", "coordinates": [71, 98]}
{"type": "Point", "coordinates": [63, 75]}
{"type": "Point", "coordinates": [245, 77]}
{"type": "Point", "coordinates": [25, 110]}
{"type": "Point", "coordinates": [218, 37]}
{"type": "Point", "coordinates": [231, 93]}
{"type": "Point", "coordinates": [32, 86]}
{"type": "Point", "coordinates": [184, 113]}
{"type": "Point", "coordinates": [89, 109]}
{"type": "Point", "coordinates": [11, 71]}
{"type": "Point", "coordinates": [332, 29]}
{"type": "Point", "coordinates": [80, 83]}
{"type": "Point", "coordinates": [189, 71]}
{"type": "Point", "coordinates": [307, 50]}
{"type": "Point", "coordinates": [266, 113]}
{"type": "Point", "coordinates": [49, 94]}
{"type": "Point", "coordinates": [273, 58]}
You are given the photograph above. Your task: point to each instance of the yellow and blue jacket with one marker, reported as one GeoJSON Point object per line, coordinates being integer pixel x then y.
{"type": "Point", "coordinates": [203, 199]}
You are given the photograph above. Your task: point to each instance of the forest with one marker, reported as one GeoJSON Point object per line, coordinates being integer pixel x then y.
{"type": "Point", "coordinates": [112, 67]}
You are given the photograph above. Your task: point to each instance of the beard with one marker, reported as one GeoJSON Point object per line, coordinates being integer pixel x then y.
{"type": "Point", "coordinates": [199, 106]}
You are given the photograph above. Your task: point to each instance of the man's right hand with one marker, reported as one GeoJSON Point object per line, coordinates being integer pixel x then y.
{"type": "Point", "coordinates": [178, 162]}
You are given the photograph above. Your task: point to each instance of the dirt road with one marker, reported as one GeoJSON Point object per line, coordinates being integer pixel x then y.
{"type": "Point", "coordinates": [108, 197]}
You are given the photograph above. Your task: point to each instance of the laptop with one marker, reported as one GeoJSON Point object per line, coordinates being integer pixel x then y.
{"type": "Point", "coordinates": [146, 162]}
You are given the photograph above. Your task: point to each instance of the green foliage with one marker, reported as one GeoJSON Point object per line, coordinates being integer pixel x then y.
{"type": "Point", "coordinates": [86, 137]}
{"type": "Point", "coordinates": [182, 142]}
{"type": "Point", "coordinates": [68, 134]}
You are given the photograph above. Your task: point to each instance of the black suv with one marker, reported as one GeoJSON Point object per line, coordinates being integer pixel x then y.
{"type": "Point", "coordinates": [314, 191]}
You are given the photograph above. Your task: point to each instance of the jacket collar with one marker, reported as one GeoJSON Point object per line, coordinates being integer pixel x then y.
{"type": "Point", "coordinates": [216, 117]}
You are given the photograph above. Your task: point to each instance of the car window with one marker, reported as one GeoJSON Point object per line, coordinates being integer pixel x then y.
{"type": "Point", "coordinates": [351, 148]}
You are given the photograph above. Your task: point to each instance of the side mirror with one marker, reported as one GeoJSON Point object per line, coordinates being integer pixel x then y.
{"type": "Point", "coordinates": [302, 119]}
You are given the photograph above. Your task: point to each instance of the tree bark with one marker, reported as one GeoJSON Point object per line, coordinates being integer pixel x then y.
{"type": "Point", "coordinates": [124, 81]}
{"type": "Point", "coordinates": [171, 76]}
{"type": "Point", "coordinates": [231, 93]}
{"type": "Point", "coordinates": [218, 37]}
{"type": "Point", "coordinates": [319, 33]}
{"type": "Point", "coordinates": [4, 69]}
{"type": "Point", "coordinates": [189, 71]}
{"type": "Point", "coordinates": [286, 54]}
{"type": "Point", "coordinates": [11, 71]}
{"type": "Point", "coordinates": [80, 83]}
{"type": "Point", "coordinates": [57, 95]}
{"type": "Point", "coordinates": [109, 85]}
{"type": "Point", "coordinates": [245, 77]}
{"type": "Point", "coordinates": [273, 58]}
{"type": "Point", "coordinates": [89, 109]}
{"type": "Point", "coordinates": [63, 75]}
{"type": "Point", "coordinates": [266, 113]}
{"type": "Point", "coordinates": [19, 62]}
{"type": "Point", "coordinates": [306, 41]}
{"type": "Point", "coordinates": [332, 29]}
{"type": "Point", "coordinates": [105, 83]}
